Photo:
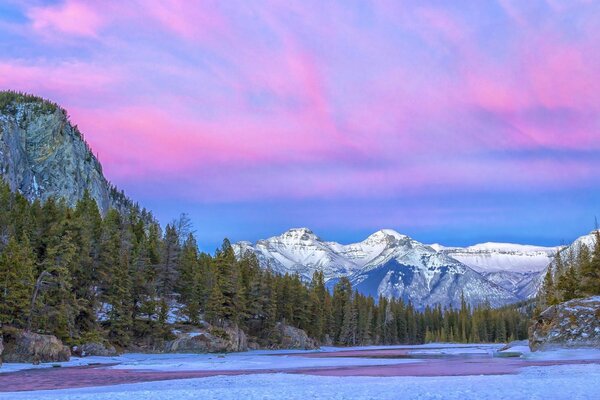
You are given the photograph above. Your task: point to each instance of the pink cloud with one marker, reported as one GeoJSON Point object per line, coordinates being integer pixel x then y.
{"type": "Point", "coordinates": [287, 100]}
{"type": "Point", "coordinates": [70, 18]}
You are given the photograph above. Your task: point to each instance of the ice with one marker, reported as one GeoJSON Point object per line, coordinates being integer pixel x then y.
{"type": "Point", "coordinates": [250, 360]}
{"type": "Point", "coordinates": [556, 382]}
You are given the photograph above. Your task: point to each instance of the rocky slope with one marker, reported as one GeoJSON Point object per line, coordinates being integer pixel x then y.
{"type": "Point", "coordinates": [42, 154]}
{"type": "Point", "coordinates": [575, 324]}
{"type": "Point", "coordinates": [386, 263]}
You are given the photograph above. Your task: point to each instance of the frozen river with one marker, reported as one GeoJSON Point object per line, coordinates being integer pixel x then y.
{"type": "Point", "coordinates": [436, 371]}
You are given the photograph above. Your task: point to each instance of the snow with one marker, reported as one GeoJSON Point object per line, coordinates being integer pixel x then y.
{"type": "Point", "coordinates": [245, 361]}
{"type": "Point", "coordinates": [383, 263]}
{"type": "Point", "coordinates": [556, 382]}
{"type": "Point", "coordinates": [572, 381]}
{"type": "Point", "coordinates": [250, 360]}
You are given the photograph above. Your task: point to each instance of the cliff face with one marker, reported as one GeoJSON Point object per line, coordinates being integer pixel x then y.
{"type": "Point", "coordinates": [43, 155]}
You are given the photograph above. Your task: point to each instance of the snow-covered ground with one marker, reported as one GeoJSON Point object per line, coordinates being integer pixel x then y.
{"type": "Point", "coordinates": [282, 359]}
{"type": "Point", "coordinates": [556, 382]}
{"type": "Point", "coordinates": [569, 381]}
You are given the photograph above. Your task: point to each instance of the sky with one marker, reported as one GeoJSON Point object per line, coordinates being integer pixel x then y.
{"type": "Point", "coordinates": [453, 122]}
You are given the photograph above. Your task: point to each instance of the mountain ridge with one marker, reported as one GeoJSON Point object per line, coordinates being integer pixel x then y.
{"type": "Point", "coordinates": [403, 267]}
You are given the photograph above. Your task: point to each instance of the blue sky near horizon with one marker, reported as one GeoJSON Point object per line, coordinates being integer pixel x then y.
{"type": "Point", "coordinates": [453, 122]}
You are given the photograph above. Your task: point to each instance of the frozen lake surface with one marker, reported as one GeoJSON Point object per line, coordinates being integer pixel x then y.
{"type": "Point", "coordinates": [434, 371]}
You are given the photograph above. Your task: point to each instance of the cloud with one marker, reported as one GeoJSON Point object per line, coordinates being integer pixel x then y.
{"type": "Point", "coordinates": [70, 18]}
{"type": "Point", "coordinates": [232, 101]}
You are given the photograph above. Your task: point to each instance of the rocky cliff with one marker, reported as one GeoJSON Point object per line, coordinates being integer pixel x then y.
{"type": "Point", "coordinates": [43, 155]}
{"type": "Point", "coordinates": [575, 323]}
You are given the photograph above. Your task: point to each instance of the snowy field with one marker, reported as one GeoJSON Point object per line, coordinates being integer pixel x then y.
{"type": "Point", "coordinates": [571, 381]}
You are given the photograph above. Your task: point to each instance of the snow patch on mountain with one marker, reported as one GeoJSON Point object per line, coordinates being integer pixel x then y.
{"type": "Point", "coordinates": [502, 257]}
{"type": "Point", "coordinates": [386, 263]}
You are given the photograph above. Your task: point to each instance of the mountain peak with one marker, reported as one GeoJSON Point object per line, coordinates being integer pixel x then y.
{"type": "Point", "coordinates": [300, 234]}
{"type": "Point", "coordinates": [385, 233]}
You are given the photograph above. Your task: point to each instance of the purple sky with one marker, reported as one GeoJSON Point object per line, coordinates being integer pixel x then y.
{"type": "Point", "coordinates": [453, 122]}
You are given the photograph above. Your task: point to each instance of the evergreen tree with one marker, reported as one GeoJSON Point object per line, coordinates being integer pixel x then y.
{"type": "Point", "coordinates": [590, 270]}
{"type": "Point", "coordinates": [548, 289]}
{"type": "Point", "coordinates": [188, 280]}
{"type": "Point", "coordinates": [16, 282]}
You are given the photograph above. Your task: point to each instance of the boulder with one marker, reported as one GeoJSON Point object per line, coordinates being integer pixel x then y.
{"type": "Point", "coordinates": [95, 349]}
{"type": "Point", "coordinates": [29, 347]}
{"type": "Point", "coordinates": [210, 339]}
{"type": "Point", "coordinates": [575, 324]}
{"type": "Point", "coordinates": [288, 337]}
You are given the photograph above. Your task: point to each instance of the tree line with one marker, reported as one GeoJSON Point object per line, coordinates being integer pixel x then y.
{"type": "Point", "coordinates": [120, 278]}
{"type": "Point", "coordinates": [574, 273]}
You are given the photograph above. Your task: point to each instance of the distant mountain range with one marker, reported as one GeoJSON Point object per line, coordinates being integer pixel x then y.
{"type": "Point", "coordinates": [390, 264]}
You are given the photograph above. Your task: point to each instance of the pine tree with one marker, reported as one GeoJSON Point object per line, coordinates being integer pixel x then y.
{"type": "Point", "coordinates": [228, 283]}
{"type": "Point", "coordinates": [169, 265]}
{"type": "Point", "coordinates": [548, 289]}
{"type": "Point", "coordinates": [349, 323]}
{"type": "Point", "coordinates": [590, 271]}
{"type": "Point", "coordinates": [215, 307]}
{"type": "Point", "coordinates": [16, 282]}
{"type": "Point", "coordinates": [568, 284]}
{"type": "Point", "coordinates": [188, 280]}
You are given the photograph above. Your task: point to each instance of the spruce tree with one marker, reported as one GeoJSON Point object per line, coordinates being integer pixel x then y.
{"type": "Point", "coordinates": [16, 282]}
{"type": "Point", "coordinates": [590, 271]}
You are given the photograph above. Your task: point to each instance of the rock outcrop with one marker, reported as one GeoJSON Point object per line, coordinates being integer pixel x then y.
{"type": "Point", "coordinates": [575, 323]}
{"type": "Point", "coordinates": [43, 155]}
{"type": "Point", "coordinates": [288, 337]}
{"type": "Point", "coordinates": [209, 339]}
{"type": "Point", "coordinates": [95, 349]}
{"type": "Point", "coordinates": [29, 347]}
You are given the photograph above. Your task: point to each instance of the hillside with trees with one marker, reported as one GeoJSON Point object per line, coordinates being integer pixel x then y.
{"type": "Point", "coordinates": [120, 279]}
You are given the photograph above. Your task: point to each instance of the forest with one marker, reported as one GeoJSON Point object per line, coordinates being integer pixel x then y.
{"type": "Point", "coordinates": [574, 273]}
{"type": "Point", "coordinates": [118, 278]}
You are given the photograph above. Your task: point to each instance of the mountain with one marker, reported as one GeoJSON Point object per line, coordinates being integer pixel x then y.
{"type": "Point", "coordinates": [498, 257]}
{"type": "Point", "coordinates": [43, 155]}
{"type": "Point", "coordinates": [386, 263]}
{"type": "Point", "coordinates": [515, 267]}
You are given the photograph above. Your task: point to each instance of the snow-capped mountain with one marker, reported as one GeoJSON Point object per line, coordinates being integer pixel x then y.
{"type": "Point", "coordinates": [515, 267]}
{"type": "Point", "coordinates": [501, 257]}
{"type": "Point", "coordinates": [300, 251]}
{"type": "Point", "coordinates": [522, 284]}
{"type": "Point", "coordinates": [386, 263]}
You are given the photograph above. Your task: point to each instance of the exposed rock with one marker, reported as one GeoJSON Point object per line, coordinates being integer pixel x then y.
{"type": "Point", "coordinates": [210, 339]}
{"type": "Point", "coordinates": [289, 337]}
{"type": "Point", "coordinates": [253, 345]}
{"type": "Point", "coordinates": [575, 323]}
{"type": "Point", "coordinates": [28, 347]}
{"type": "Point", "coordinates": [95, 349]}
{"type": "Point", "coordinates": [43, 155]}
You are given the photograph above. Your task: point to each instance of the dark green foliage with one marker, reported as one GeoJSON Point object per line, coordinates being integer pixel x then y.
{"type": "Point", "coordinates": [590, 270]}
{"type": "Point", "coordinates": [573, 275]}
{"type": "Point", "coordinates": [17, 264]}
{"type": "Point", "coordinates": [10, 99]}
{"type": "Point", "coordinates": [120, 279]}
